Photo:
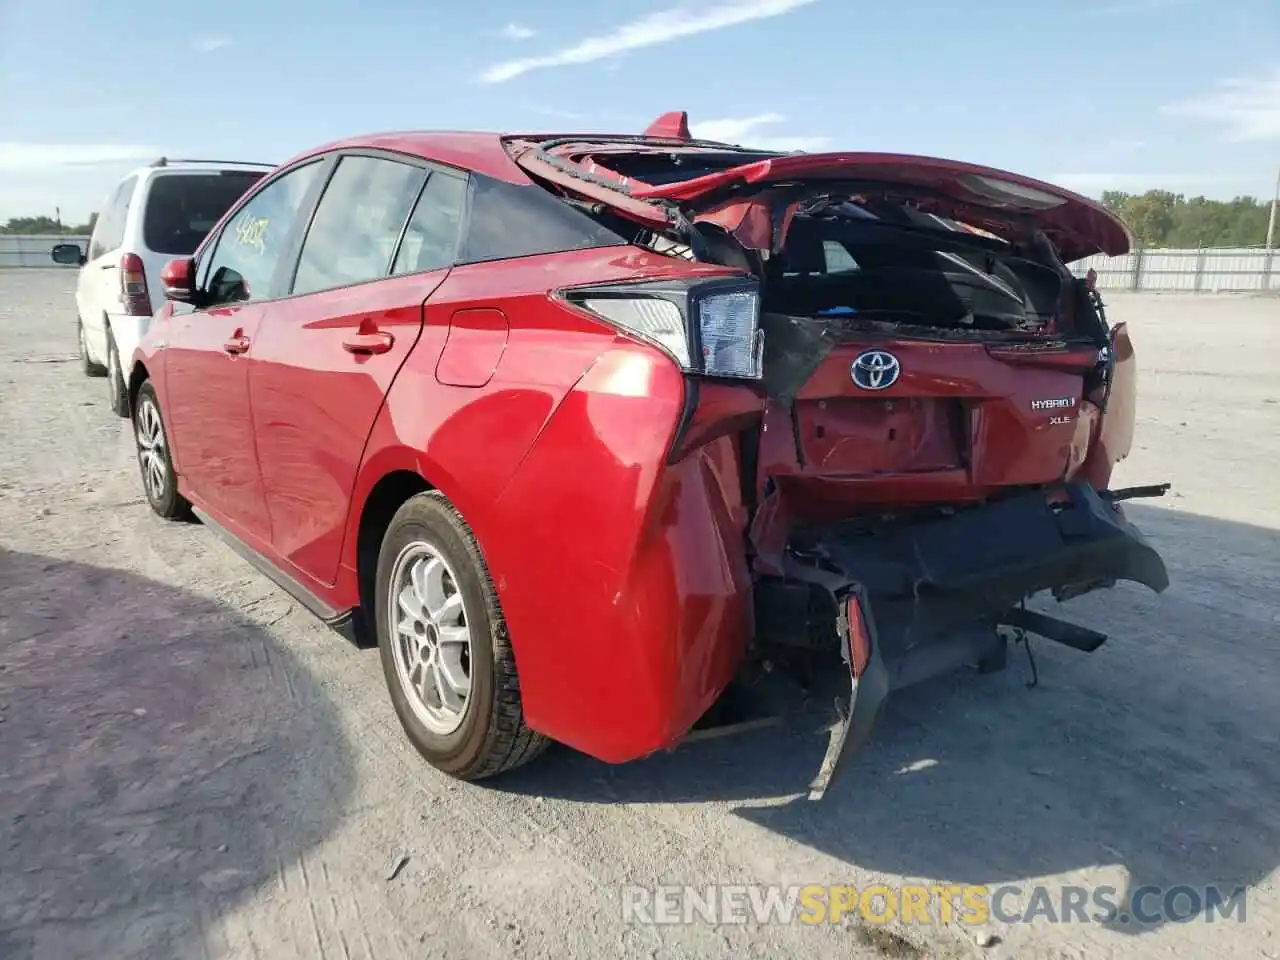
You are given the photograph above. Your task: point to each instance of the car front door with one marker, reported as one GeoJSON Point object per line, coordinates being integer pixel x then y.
{"type": "Point", "coordinates": [383, 237]}
{"type": "Point", "coordinates": [209, 350]}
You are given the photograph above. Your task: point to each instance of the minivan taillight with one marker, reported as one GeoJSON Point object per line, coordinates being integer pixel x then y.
{"type": "Point", "coordinates": [133, 286]}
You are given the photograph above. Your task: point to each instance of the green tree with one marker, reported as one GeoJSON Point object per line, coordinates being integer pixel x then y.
{"type": "Point", "coordinates": [47, 225]}
{"type": "Point", "coordinates": [1159, 218]}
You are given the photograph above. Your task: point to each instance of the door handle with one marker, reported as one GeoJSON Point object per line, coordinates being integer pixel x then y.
{"type": "Point", "coordinates": [237, 345]}
{"type": "Point", "coordinates": [368, 341]}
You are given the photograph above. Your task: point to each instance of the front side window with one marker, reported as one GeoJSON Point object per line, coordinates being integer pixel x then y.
{"type": "Point", "coordinates": [360, 217]}
{"type": "Point", "coordinates": [249, 249]}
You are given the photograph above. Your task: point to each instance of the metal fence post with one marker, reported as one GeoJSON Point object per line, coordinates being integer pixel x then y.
{"type": "Point", "coordinates": [1136, 282]}
{"type": "Point", "coordinates": [1199, 277]}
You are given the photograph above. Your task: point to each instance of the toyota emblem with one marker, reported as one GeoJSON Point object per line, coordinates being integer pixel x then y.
{"type": "Point", "coordinates": [875, 370]}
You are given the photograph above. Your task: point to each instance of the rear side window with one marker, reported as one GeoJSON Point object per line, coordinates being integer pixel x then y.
{"type": "Point", "coordinates": [250, 246]}
{"type": "Point", "coordinates": [108, 231]}
{"type": "Point", "coordinates": [183, 207]}
{"type": "Point", "coordinates": [838, 257]}
{"type": "Point", "coordinates": [358, 222]}
{"type": "Point", "coordinates": [431, 239]}
{"type": "Point", "coordinates": [509, 220]}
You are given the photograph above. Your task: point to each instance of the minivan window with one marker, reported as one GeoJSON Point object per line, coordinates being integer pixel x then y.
{"type": "Point", "coordinates": [249, 248]}
{"type": "Point", "coordinates": [108, 231]}
{"type": "Point", "coordinates": [360, 217]}
{"type": "Point", "coordinates": [431, 239]}
{"type": "Point", "coordinates": [183, 207]}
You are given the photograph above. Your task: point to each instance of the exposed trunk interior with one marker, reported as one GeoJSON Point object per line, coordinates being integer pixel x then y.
{"type": "Point", "coordinates": [999, 361]}
{"type": "Point", "coordinates": [840, 260]}
{"type": "Point", "coordinates": [1002, 358]}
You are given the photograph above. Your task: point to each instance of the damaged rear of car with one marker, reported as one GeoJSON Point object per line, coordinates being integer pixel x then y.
{"type": "Point", "coordinates": [918, 402]}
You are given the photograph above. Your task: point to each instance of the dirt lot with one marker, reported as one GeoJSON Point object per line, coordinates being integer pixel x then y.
{"type": "Point", "coordinates": [190, 766]}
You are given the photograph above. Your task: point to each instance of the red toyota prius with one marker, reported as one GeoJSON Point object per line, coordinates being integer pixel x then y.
{"type": "Point", "coordinates": [573, 427]}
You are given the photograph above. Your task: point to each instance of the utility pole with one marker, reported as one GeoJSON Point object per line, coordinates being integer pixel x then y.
{"type": "Point", "coordinates": [1271, 222]}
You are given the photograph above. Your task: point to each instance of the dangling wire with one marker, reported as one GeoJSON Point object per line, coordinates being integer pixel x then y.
{"type": "Point", "coordinates": [1021, 636]}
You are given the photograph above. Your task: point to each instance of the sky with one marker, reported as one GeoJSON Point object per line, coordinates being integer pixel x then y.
{"type": "Point", "coordinates": [1182, 95]}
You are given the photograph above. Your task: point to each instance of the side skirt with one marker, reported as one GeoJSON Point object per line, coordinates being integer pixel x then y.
{"type": "Point", "coordinates": [342, 621]}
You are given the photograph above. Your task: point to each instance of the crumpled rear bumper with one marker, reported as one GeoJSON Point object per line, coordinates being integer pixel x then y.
{"type": "Point", "coordinates": [929, 594]}
{"type": "Point", "coordinates": [929, 576]}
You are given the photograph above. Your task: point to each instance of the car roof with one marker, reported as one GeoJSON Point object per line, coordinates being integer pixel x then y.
{"type": "Point", "coordinates": [474, 150]}
{"type": "Point", "coordinates": [480, 151]}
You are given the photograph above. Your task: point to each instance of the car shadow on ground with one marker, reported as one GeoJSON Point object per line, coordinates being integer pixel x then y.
{"type": "Point", "coordinates": [1155, 753]}
{"type": "Point", "coordinates": [161, 758]}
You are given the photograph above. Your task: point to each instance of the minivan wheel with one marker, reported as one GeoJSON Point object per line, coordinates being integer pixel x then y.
{"type": "Point", "coordinates": [87, 366]}
{"type": "Point", "coordinates": [117, 396]}
{"type": "Point", "coordinates": [158, 479]}
{"type": "Point", "coordinates": [444, 645]}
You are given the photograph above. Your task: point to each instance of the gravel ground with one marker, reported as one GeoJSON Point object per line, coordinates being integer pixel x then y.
{"type": "Point", "coordinates": [190, 766]}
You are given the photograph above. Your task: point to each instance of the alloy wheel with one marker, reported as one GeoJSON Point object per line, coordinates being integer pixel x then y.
{"type": "Point", "coordinates": [431, 637]}
{"type": "Point", "coordinates": [151, 450]}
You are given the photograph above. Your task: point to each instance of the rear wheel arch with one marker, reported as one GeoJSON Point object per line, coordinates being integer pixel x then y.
{"type": "Point", "coordinates": [379, 507]}
{"type": "Point", "coordinates": [429, 542]}
{"type": "Point", "coordinates": [137, 377]}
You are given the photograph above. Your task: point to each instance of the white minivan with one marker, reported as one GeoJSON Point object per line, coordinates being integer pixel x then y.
{"type": "Point", "coordinates": [153, 215]}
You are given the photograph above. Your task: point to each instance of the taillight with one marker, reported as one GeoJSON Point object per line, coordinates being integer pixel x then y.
{"type": "Point", "coordinates": [711, 327]}
{"type": "Point", "coordinates": [133, 286]}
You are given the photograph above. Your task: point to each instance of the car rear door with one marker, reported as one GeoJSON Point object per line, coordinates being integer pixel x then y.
{"type": "Point", "coordinates": [382, 240]}
{"type": "Point", "coordinates": [209, 351]}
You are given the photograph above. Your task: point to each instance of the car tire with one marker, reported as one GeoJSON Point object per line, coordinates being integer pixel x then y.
{"type": "Point", "coordinates": [428, 548]}
{"type": "Point", "coordinates": [87, 365]}
{"type": "Point", "coordinates": [117, 392]}
{"type": "Point", "coordinates": [159, 481]}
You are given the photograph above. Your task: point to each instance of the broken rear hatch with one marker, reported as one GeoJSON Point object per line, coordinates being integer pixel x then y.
{"type": "Point", "coordinates": [742, 197]}
{"type": "Point", "coordinates": [953, 358]}
{"type": "Point", "coordinates": [942, 402]}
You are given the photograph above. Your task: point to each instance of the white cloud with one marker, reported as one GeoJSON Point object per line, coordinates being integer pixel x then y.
{"type": "Point", "coordinates": [514, 31]}
{"type": "Point", "coordinates": [1248, 107]}
{"type": "Point", "coordinates": [657, 28]}
{"type": "Point", "coordinates": [208, 44]}
{"type": "Point", "coordinates": [37, 156]}
{"type": "Point", "coordinates": [745, 131]}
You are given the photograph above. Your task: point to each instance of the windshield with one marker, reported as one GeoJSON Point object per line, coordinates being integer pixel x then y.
{"type": "Point", "coordinates": [183, 207]}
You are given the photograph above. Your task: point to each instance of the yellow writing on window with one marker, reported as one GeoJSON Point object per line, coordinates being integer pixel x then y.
{"type": "Point", "coordinates": [253, 233]}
